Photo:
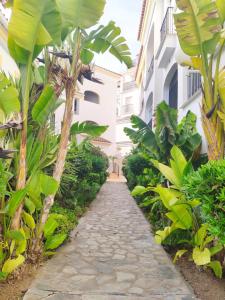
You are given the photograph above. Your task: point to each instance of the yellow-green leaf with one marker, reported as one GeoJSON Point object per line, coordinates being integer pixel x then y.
{"type": "Point", "coordinates": [28, 220]}
{"type": "Point", "coordinates": [201, 258]}
{"type": "Point", "coordinates": [11, 264]}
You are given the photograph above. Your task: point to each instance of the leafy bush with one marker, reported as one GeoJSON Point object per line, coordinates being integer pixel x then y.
{"type": "Point", "coordinates": [208, 185]}
{"type": "Point", "coordinates": [71, 218]}
{"type": "Point", "coordinates": [85, 172]}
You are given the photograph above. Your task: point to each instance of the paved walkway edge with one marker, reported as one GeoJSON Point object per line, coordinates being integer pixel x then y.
{"type": "Point", "coordinates": [112, 256]}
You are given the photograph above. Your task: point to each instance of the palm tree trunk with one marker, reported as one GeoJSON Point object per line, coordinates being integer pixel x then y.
{"type": "Point", "coordinates": [70, 89]}
{"type": "Point", "coordinates": [21, 178]}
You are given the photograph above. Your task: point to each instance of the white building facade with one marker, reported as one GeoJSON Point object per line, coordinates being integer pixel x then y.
{"type": "Point", "coordinates": [159, 75]}
{"type": "Point", "coordinates": [97, 103]}
{"type": "Point", "coordinates": [128, 104]}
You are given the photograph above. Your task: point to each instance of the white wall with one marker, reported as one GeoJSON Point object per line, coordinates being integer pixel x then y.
{"type": "Point", "coordinates": [103, 113]}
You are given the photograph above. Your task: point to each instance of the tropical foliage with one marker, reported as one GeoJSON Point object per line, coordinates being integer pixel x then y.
{"type": "Point", "coordinates": [32, 156]}
{"type": "Point", "coordinates": [200, 31]}
{"type": "Point", "coordinates": [167, 133]}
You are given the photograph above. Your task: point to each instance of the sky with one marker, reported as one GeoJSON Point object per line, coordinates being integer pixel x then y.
{"type": "Point", "coordinates": [126, 14]}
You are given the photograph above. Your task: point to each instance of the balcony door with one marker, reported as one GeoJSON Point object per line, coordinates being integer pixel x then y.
{"type": "Point", "coordinates": [173, 91]}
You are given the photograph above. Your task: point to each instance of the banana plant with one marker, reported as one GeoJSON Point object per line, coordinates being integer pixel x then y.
{"type": "Point", "coordinates": [168, 132]}
{"type": "Point", "coordinates": [202, 251]}
{"type": "Point", "coordinates": [77, 17]}
{"type": "Point", "coordinates": [200, 31]}
{"type": "Point", "coordinates": [40, 23]}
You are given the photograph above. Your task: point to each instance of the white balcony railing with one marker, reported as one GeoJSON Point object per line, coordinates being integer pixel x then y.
{"type": "Point", "coordinates": [167, 25]}
{"type": "Point", "coordinates": [127, 109]}
{"type": "Point", "coordinates": [193, 84]}
{"type": "Point", "coordinates": [150, 72]}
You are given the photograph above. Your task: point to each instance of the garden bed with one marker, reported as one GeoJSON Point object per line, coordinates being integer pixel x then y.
{"type": "Point", "coordinates": [15, 288]}
{"type": "Point", "coordinates": [204, 284]}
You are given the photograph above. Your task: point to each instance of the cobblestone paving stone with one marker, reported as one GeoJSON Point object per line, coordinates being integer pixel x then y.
{"type": "Point", "coordinates": [112, 256]}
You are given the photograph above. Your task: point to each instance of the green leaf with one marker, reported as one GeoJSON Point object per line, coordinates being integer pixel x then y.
{"type": "Point", "coordinates": [3, 276]}
{"type": "Point", "coordinates": [44, 105]}
{"type": "Point", "coordinates": [221, 8]}
{"type": "Point", "coordinates": [89, 128]}
{"type": "Point", "coordinates": [217, 268]}
{"type": "Point", "coordinates": [216, 249]}
{"type": "Point", "coordinates": [9, 96]}
{"type": "Point", "coordinates": [50, 227]}
{"type": "Point", "coordinates": [40, 25]}
{"type": "Point", "coordinates": [29, 205]}
{"type": "Point", "coordinates": [28, 220]}
{"type": "Point", "coordinates": [178, 255]}
{"type": "Point", "coordinates": [180, 216]}
{"type": "Point", "coordinates": [86, 56]}
{"type": "Point", "coordinates": [168, 173]}
{"type": "Point", "coordinates": [48, 184]}
{"type": "Point", "coordinates": [14, 202]}
{"type": "Point", "coordinates": [161, 235]}
{"type": "Point", "coordinates": [180, 162]}
{"type": "Point", "coordinates": [200, 235]}
{"type": "Point", "coordinates": [55, 241]}
{"type": "Point", "coordinates": [195, 30]}
{"type": "Point", "coordinates": [201, 257]}
{"type": "Point", "coordinates": [168, 196]}
{"type": "Point", "coordinates": [21, 245]}
{"type": "Point", "coordinates": [108, 38]}
{"type": "Point", "coordinates": [11, 264]}
{"type": "Point", "coordinates": [139, 190]}
{"type": "Point", "coordinates": [81, 13]}
{"type": "Point", "coordinates": [15, 235]}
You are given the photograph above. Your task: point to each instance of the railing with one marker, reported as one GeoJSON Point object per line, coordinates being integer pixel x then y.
{"type": "Point", "coordinates": [168, 24]}
{"type": "Point", "coordinates": [193, 84]}
{"type": "Point", "coordinates": [150, 72]}
{"type": "Point", "coordinates": [129, 85]}
{"type": "Point", "coordinates": [127, 109]}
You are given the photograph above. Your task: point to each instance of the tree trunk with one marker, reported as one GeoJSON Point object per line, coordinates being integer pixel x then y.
{"type": "Point", "coordinates": [214, 133]}
{"type": "Point", "coordinates": [61, 157]}
{"type": "Point", "coordinates": [21, 181]}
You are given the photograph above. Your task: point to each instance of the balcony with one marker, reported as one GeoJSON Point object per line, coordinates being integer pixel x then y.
{"type": "Point", "coordinates": [167, 39]}
{"type": "Point", "coordinates": [129, 86]}
{"type": "Point", "coordinates": [150, 73]}
{"type": "Point", "coordinates": [193, 84]}
{"type": "Point", "coordinates": [127, 109]}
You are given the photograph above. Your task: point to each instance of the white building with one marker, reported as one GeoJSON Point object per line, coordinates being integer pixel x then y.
{"type": "Point", "coordinates": [128, 104]}
{"type": "Point", "coordinates": [158, 74]}
{"type": "Point", "coordinates": [98, 105]}
{"type": "Point", "coordinates": [7, 64]}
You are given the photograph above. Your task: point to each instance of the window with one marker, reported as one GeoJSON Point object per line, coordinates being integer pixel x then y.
{"type": "Point", "coordinates": [91, 97]}
{"type": "Point", "coordinates": [76, 107]}
{"type": "Point", "coordinates": [194, 83]}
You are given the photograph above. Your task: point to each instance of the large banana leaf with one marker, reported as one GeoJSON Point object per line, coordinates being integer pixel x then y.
{"type": "Point", "coordinates": [81, 13]}
{"type": "Point", "coordinates": [44, 105]}
{"type": "Point", "coordinates": [89, 128]}
{"type": "Point", "coordinates": [198, 26]}
{"type": "Point", "coordinates": [109, 38]}
{"type": "Point", "coordinates": [9, 101]}
{"type": "Point", "coordinates": [33, 25]}
{"type": "Point", "coordinates": [143, 134]}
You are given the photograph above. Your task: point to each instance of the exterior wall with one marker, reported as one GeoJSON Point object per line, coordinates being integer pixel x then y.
{"type": "Point", "coordinates": [128, 104]}
{"type": "Point", "coordinates": [158, 63]}
{"type": "Point", "coordinates": [103, 113]}
{"type": "Point", "coordinates": [7, 64]}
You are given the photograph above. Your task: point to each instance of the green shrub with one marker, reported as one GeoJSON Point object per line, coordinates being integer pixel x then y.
{"type": "Point", "coordinates": [208, 185]}
{"type": "Point", "coordinates": [70, 221]}
{"type": "Point", "coordinates": [85, 172]}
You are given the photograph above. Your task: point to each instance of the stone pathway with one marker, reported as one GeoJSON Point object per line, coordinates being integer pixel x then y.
{"type": "Point", "coordinates": [112, 256]}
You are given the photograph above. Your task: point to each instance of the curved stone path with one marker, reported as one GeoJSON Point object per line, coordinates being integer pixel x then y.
{"type": "Point", "coordinates": [112, 256]}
